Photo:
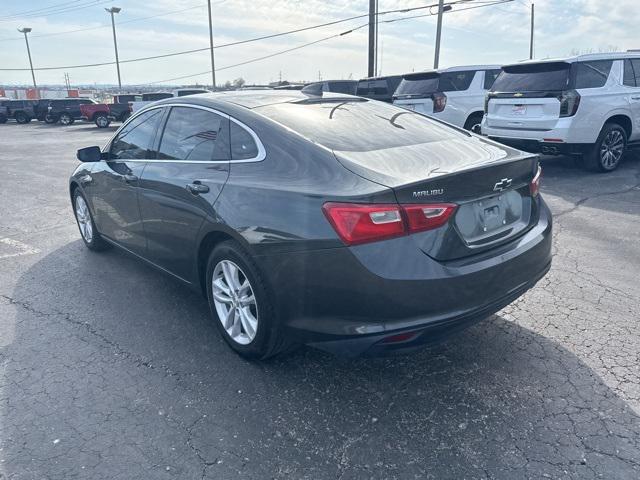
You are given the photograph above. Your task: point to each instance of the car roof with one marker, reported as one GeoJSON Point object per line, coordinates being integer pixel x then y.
{"type": "Point", "coordinates": [462, 68]}
{"type": "Point", "coordinates": [579, 58]}
{"type": "Point", "coordinates": [384, 77]}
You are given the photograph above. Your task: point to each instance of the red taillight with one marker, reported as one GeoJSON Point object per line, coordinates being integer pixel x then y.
{"type": "Point", "coordinates": [569, 103]}
{"type": "Point", "coordinates": [362, 223]}
{"type": "Point", "coordinates": [427, 217]}
{"type": "Point", "coordinates": [534, 186]}
{"type": "Point", "coordinates": [439, 101]}
{"type": "Point", "coordinates": [401, 337]}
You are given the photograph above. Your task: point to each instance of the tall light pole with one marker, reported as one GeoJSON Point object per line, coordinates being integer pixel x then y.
{"type": "Point", "coordinates": [441, 9]}
{"type": "Point", "coordinates": [113, 10]}
{"type": "Point", "coordinates": [213, 65]}
{"type": "Point", "coordinates": [531, 39]}
{"type": "Point", "coordinates": [372, 38]}
{"type": "Point", "coordinates": [26, 30]}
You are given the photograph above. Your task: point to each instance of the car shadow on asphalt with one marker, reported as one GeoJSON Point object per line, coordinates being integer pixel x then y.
{"type": "Point", "coordinates": [123, 367]}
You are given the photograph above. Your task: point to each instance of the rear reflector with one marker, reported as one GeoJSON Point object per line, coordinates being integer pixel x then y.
{"type": "Point", "coordinates": [401, 337]}
{"type": "Point", "coordinates": [362, 223]}
{"type": "Point", "coordinates": [534, 186]}
{"type": "Point", "coordinates": [553, 140]}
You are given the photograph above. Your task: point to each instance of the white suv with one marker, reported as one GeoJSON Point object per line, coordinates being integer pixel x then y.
{"type": "Point", "coordinates": [454, 95]}
{"type": "Point", "coordinates": [587, 105]}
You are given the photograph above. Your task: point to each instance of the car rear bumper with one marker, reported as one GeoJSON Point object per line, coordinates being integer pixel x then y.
{"type": "Point", "coordinates": [545, 148]}
{"type": "Point", "coordinates": [350, 300]}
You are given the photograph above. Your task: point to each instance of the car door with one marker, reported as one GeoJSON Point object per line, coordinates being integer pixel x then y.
{"type": "Point", "coordinates": [179, 189]}
{"type": "Point", "coordinates": [113, 189]}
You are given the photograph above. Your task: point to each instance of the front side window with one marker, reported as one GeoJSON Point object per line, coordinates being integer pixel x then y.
{"type": "Point", "coordinates": [194, 134]}
{"type": "Point", "coordinates": [629, 76]}
{"type": "Point", "coordinates": [134, 141]}
{"type": "Point", "coordinates": [243, 147]}
{"type": "Point", "coordinates": [636, 70]}
{"type": "Point", "coordinates": [592, 74]}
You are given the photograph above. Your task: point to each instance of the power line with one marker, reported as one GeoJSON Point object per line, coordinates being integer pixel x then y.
{"type": "Point", "coordinates": [92, 3]}
{"type": "Point", "coordinates": [485, 4]}
{"type": "Point", "coordinates": [265, 37]}
{"type": "Point", "coordinates": [139, 19]}
{"type": "Point", "coordinates": [26, 12]}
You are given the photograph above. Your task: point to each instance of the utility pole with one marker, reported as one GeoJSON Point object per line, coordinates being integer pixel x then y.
{"type": "Point", "coordinates": [532, 25]}
{"type": "Point", "coordinates": [213, 65]}
{"type": "Point", "coordinates": [372, 41]}
{"type": "Point", "coordinates": [375, 66]}
{"type": "Point", "coordinates": [26, 30]}
{"type": "Point", "coordinates": [436, 58]}
{"type": "Point", "coordinates": [113, 10]}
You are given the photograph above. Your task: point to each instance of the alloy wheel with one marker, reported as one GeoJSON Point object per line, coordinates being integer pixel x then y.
{"type": "Point", "coordinates": [65, 120]}
{"type": "Point", "coordinates": [102, 122]}
{"type": "Point", "coordinates": [235, 302]}
{"type": "Point", "coordinates": [611, 149]}
{"type": "Point", "coordinates": [84, 219]}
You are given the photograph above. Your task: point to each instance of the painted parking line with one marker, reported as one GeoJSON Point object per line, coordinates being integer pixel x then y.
{"type": "Point", "coordinates": [19, 247]}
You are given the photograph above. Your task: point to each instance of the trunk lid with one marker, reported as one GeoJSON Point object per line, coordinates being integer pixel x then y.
{"type": "Point", "coordinates": [488, 182]}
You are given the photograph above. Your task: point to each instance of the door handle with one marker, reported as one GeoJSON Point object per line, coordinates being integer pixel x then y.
{"type": "Point", "coordinates": [197, 187]}
{"type": "Point", "coordinates": [129, 178]}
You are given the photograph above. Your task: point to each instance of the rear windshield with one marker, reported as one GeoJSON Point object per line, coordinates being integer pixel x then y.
{"type": "Point", "coordinates": [431, 82]}
{"type": "Point", "coordinates": [357, 126]}
{"type": "Point", "coordinates": [533, 77]}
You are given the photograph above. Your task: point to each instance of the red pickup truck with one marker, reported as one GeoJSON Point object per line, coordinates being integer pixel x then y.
{"type": "Point", "coordinates": [102, 114]}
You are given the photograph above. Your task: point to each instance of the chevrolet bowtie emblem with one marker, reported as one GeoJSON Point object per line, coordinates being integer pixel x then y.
{"type": "Point", "coordinates": [502, 185]}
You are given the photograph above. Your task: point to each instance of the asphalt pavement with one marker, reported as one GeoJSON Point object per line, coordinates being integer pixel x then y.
{"type": "Point", "coordinates": [111, 370]}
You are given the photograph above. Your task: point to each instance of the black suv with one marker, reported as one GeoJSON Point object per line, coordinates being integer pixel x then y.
{"type": "Point", "coordinates": [66, 110]}
{"type": "Point", "coordinates": [3, 114]}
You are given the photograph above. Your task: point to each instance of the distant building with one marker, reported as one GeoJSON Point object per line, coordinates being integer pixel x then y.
{"type": "Point", "coordinates": [24, 93]}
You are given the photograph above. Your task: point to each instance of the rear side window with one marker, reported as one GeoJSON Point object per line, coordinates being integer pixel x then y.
{"type": "Point", "coordinates": [373, 87]}
{"type": "Point", "coordinates": [455, 81]}
{"type": "Point", "coordinates": [194, 134]}
{"type": "Point", "coordinates": [243, 146]}
{"type": "Point", "coordinates": [535, 77]}
{"type": "Point", "coordinates": [489, 78]}
{"type": "Point", "coordinates": [591, 74]}
{"type": "Point", "coordinates": [135, 140]}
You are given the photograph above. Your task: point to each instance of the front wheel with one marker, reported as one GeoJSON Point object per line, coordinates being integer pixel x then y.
{"type": "Point", "coordinates": [66, 119]}
{"type": "Point", "coordinates": [88, 230]}
{"type": "Point", "coordinates": [101, 121]}
{"type": "Point", "coordinates": [22, 118]}
{"type": "Point", "coordinates": [240, 304]}
{"type": "Point", "coordinates": [50, 119]}
{"type": "Point", "coordinates": [610, 147]}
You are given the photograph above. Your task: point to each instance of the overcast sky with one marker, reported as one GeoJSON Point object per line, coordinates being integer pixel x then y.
{"type": "Point", "coordinates": [493, 34]}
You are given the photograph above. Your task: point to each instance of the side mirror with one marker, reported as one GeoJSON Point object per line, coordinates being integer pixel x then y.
{"type": "Point", "coordinates": [89, 154]}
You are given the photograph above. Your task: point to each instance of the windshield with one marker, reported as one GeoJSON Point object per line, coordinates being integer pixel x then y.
{"type": "Point", "coordinates": [534, 77]}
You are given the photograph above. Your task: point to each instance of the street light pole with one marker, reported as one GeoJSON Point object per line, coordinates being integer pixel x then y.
{"type": "Point", "coordinates": [33, 75]}
{"type": "Point", "coordinates": [532, 25]}
{"type": "Point", "coordinates": [113, 10]}
{"type": "Point", "coordinates": [213, 65]}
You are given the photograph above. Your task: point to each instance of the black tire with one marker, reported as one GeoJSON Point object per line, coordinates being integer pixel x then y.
{"type": "Point", "coordinates": [269, 339]}
{"type": "Point", "coordinates": [50, 119]}
{"type": "Point", "coordinates": [22, 118]}
{"type": "Point", "coordinates": [597, 159]}
{"type": "Point", "coordinates": [473, 122]}
{"type": "Point", "coordinates": [96, 243]}
{"type": "Point", "coordinates": [66, 119]}
{"type": "Point", "coordinates": [101, 120]}
{"type": "Point", "coordinates": [3, 119]}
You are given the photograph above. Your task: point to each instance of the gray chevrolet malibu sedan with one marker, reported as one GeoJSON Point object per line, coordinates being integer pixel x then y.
{"type": "Point", "coordinates": [322, 219]}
